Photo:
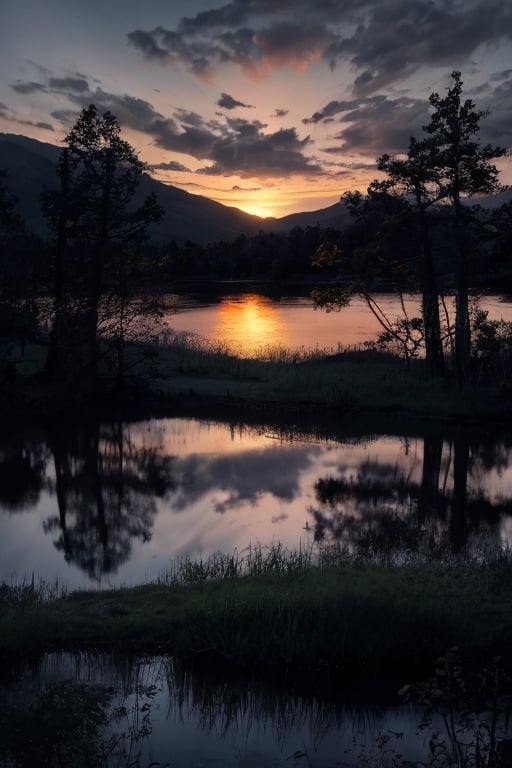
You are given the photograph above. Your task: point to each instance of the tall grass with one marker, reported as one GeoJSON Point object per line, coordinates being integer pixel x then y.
{"type": "Point", "coordinates": [255, 560]}
{"type": "Point", "coordinates": [29, 593]}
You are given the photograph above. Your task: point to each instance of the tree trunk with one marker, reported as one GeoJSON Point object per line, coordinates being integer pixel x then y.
{"type": "Point", "coordinates": [434, 354]}
{"type": "Point", "coordinates": [462, 324]}
{"type": "Point", "coordinates": [458, 523]}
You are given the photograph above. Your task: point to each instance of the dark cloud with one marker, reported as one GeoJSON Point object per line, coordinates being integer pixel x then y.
{"type": "Point", "coordinates": [380, 125]}
{"type": "Point", "coordinates": [497, 125]}
{"type": "Point", "coordinates": [248, 152]}
{"type": "Point", "coordinates": [280, 113]}
{"type": "Point", "coordinates": [231, 146]}
{"type": "Point", "coordinates": [238, 188]}
{"type": "Point", "coordinates": [377, 124]}
{"type": "Point", "coordinates": [172, 166]}
{"type": "Point", "coordinates": [383, 41]}
{"type": "Point", "coordinates": [26, 88]}
{"type": "Point", "coordinates": [241, 478]}
{"type": "Point", "coordinates": [69, 84]}
{"type": "Point", "coordinates": [400, 36]}
{"type": "Point", "coordinates": [228, 102]}
{"type": "Point", "coordinates": [335, 108]}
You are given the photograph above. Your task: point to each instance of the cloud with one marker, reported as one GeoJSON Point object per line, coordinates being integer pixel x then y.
{"type": "Point", "coordinates": [380, 125]}
{"type": "Point", "coordinates": [238, 188]}
{"type": "Point", "coordinates": [383, 42]}
{"type": "Point", "coordinates": [248, 152]}
{"type": "Point", "coordinates": [228, 146]}
{"type": "Point", "coordinates": [243, 478]}
{"type": "Point", "coordinates": [401, 36]}
{"type": "Point", "coordinates": [27, 88]}
{"type": "Point", "coordinates": [228, 102]}
{"type": "Point", "coordinates": [376, 124]}
{"type": "Point", "coordinates": [69, 84]}
{"type": "Point", "coordinates": [280, 112]}
{"type": "Point", "coordinates": [171, 166]}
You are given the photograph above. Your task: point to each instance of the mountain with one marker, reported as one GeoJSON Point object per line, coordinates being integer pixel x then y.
{"type": "Point", "coordinates": [32, 167]}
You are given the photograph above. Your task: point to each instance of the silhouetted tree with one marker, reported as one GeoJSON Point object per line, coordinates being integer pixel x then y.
{"type": "Point", "coordinates": [106, 490]}
{"type": "Point", "coordinates": [449, 165]}
{"type": "Point", "coordinates": [94, 219]}
{"type": "Point", "coordinates": [10, 220]}
{"type": "Point", "coordinates": [414, 177]}
{"type": "Point", "coordinates": [18, 312]}
{"type": "Point", "coordinates": [462, 168]}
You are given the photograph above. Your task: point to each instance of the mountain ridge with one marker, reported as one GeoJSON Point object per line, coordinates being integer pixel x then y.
{"type": "Point", "coordinates": [32, 168]}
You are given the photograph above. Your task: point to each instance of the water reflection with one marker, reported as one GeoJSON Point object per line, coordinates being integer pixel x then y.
{"type": "Point", "coordinates": [115, 503]}
{"type": "Point", "coordinates": [106, 487]}
{"type": "Point", "coordinates": [248, 324]}
{"type": "Point", "coordinates": [106, 711]}
{"type": "Point", "coordinates": [101, 710]}
{"type": "Point", "coordinates": [448, 504]}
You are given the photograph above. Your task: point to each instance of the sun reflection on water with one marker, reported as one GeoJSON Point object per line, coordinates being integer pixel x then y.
{"type": "Point", "coordinates": [248, 324]}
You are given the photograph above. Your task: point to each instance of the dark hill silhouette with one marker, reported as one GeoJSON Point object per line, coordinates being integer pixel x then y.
{"type": "Point", "coordinates": [32, 168]}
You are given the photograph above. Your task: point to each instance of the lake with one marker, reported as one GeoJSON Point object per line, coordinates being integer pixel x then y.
{"type": "Point", "coordinates": [250, 323]}
{"type": "Point", "coordinates": [100, 504]}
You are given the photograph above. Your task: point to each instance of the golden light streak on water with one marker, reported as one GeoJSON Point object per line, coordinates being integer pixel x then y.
{"type": "Point", "coordinates": [248, 324]}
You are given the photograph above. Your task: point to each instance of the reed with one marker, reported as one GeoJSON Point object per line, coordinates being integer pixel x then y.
{"type": "Point", "coordinates": [333, 614]}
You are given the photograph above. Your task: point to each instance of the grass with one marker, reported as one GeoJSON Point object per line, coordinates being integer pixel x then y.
{"type": "Point", "coordinates": [188, 370]}
{"type": "Point", "coordinates": [273, 608]}
{"type": "Point", "coordinates": [362, 380]}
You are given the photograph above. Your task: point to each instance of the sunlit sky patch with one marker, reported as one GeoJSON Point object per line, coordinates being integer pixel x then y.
{"type": "Point", "coordinates": [273, 106]}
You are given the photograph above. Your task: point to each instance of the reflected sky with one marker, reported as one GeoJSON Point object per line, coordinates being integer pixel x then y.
{"type": "Point", "coordinates": [249, 323]}
{"type": "Point", "coordinates": [164, 715]}
{"type": "Point", "coordinates": [186, 487]}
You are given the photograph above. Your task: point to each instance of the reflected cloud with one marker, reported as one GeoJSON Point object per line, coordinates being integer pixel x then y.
{"type": "Point", "coordinates": [243, 478]}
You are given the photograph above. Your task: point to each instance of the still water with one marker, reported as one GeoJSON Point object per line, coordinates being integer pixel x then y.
{"type": "Point", "coordinates": [249, 323]}
{"type": "Point", "coordinates": [158, 713]}
{"type": "Point", "coordinates": [102, 504]}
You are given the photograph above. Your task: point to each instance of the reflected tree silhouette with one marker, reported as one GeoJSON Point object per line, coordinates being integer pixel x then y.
{"type": "Point", "coordinates": [382, 511]}
{"type": "Point", "coordinates": [106, 487]}
{"type": "Point", "coordinates": [22, 471]}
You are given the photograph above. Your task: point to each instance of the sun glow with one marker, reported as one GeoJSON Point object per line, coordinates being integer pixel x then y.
{"type": "Point", "coordinates": [248, 324]}
{"type": "Point", "coordinates": [256, 210]}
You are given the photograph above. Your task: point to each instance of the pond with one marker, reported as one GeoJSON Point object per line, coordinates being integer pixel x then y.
{"type": "Point", "coordinates": [100, 504]}
{"type": "Point", "coordinates": [249, 323]}
{"type": "Point", "coordinates": [95, 710]}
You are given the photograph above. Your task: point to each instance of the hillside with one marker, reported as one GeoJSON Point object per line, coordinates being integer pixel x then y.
{"type": "Point", "coordinates": [32, 168]}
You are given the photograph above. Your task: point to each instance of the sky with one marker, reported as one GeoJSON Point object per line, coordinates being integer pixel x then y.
{"type": "Point", "coordinates": [272, 106]}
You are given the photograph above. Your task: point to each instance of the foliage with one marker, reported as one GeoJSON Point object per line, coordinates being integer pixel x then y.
{"type": "Point", "coordinates": [97, 230]}
{"type": "Point", "coordinates": [19, 278]}
{"type": "Point", "coordinates": [64, 723]}
{"type": "Point", "coordinates": [492, 348]}
{"type": "Point", "coordinates": [473, 707]}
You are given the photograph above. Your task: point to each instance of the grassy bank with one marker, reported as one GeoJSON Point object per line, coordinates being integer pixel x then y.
{"type": "Point", "coordinates": [337, 616]}
{"type": "Point", "coordinates": [187, 370]}
{"type": "Point", "coordinates": [356, 381]}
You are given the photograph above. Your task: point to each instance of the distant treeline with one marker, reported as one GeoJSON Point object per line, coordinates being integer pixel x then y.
{"type": "Point", "coordinates": [26, 260]}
